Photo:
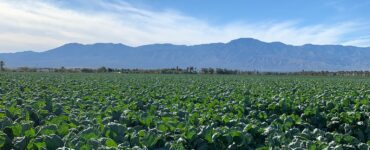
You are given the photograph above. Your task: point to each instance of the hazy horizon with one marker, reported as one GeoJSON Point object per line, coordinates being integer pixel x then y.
{"type": "Point", "coordinates": [164, 43]}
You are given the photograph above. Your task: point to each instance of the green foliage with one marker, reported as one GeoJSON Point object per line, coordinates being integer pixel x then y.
{"type": "Point", "coordinates": [120, 111]}
{"type": "Point", "coordinates": [2, 139]}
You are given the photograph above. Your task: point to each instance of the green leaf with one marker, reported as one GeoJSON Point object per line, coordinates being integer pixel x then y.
{"type": "Point", "coordinates": [63, 129]}
{"type": "Point", "coordinates": [115, 131]}
{"type": "Point", "coordinates": [89, 133]}
{"type": "Point", "coordinates": [141, 133]}
{"type": "Point", "coordinates": [111, 143]}
{"type": "Point", "coordinates": [41, 145]}
{"type": "Point", "coordinates": [150, 139]}
{"type": "Point", "coordinates": [48, 130]}
{"type": "Point", "coordinates": [235, 133]}
{"type": "Point", "coordinates": [162, 128]}
{"type": "Point", "coordinates": [13, 111]}
{"type": "Point", "coordinates": [85, 147]}
{"type": "Point", "coordinates": [30, 133]}
{"type": "Point", "coordinates": [2, 139]}
{"type": "Point", "coordinates": [190, 133]}
{"type": "Point", "coordinates": [53, 141]}
{"type": "Point", "coordinates": [2, 115]}
{"type": "Point", "coordinates": [17, 130]}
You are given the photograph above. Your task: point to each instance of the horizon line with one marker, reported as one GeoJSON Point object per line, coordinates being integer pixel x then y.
{"type": "Point", "coordinates": [242, 38]}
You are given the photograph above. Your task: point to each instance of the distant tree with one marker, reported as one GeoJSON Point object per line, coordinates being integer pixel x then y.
{"type": "Point", "coordinates": [62, 69]}
{"type": "Point", "coordinates": [2, 65]}
{"type": "Point", "coordinates": [87, 70]}
{"type": "Point", "coordinates": [191, 69]}
{"type": "Point", "coordinates": [102, 69]}
{"type": "Point", "coordinates": [204, 70]}
{"type": "Point", "coordinates": [110, 70]}
{"type": "Point", "coordinates": [219, 71]}
{"type": "Point", "coordinates": [211, 70]}
{"type": "Point", "coordinates": [26, 69]}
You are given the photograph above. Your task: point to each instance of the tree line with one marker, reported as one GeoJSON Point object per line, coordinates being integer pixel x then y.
{"type": "Point", "coordinates": [210, 71]}
{"type": "Point", "coordinates": [178, 70]}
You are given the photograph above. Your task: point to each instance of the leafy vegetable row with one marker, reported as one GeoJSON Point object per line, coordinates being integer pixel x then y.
{"type": "Point", "coordinates": [115, 111]}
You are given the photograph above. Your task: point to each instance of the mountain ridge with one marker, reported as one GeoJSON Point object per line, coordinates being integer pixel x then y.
{"type": "Point", "coordinates": [242, 54]}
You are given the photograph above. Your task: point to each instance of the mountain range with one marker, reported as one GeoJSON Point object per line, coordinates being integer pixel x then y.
{"type": "Point", "coordinates": [242, 54]}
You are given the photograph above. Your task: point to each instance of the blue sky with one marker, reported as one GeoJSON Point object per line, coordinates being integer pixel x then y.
{"type": "Point", "coordinates": [224, 11]}
{"type": "Point", "coordinates": [41, 25]}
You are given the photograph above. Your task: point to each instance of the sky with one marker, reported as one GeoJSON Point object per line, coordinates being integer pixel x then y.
{"type": "Point", "coordinates": [40, 25]}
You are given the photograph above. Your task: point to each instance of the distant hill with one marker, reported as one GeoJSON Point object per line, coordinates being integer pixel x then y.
{"type": "Point", "coordinates": [243, 54]}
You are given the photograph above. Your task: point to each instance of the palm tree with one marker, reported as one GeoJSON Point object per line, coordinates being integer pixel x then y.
{"type": "Point", "coordinates": [2, 65]}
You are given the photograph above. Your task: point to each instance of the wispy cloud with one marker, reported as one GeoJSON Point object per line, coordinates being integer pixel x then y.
{"type": "Point", "coordinates": [361, 41]}
{"type": "Point", "coordinates": [41, 25]}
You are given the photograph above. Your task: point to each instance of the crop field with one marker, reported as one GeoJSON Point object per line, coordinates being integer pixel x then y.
{"type": "Point", "coordinates": [128, 111]}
